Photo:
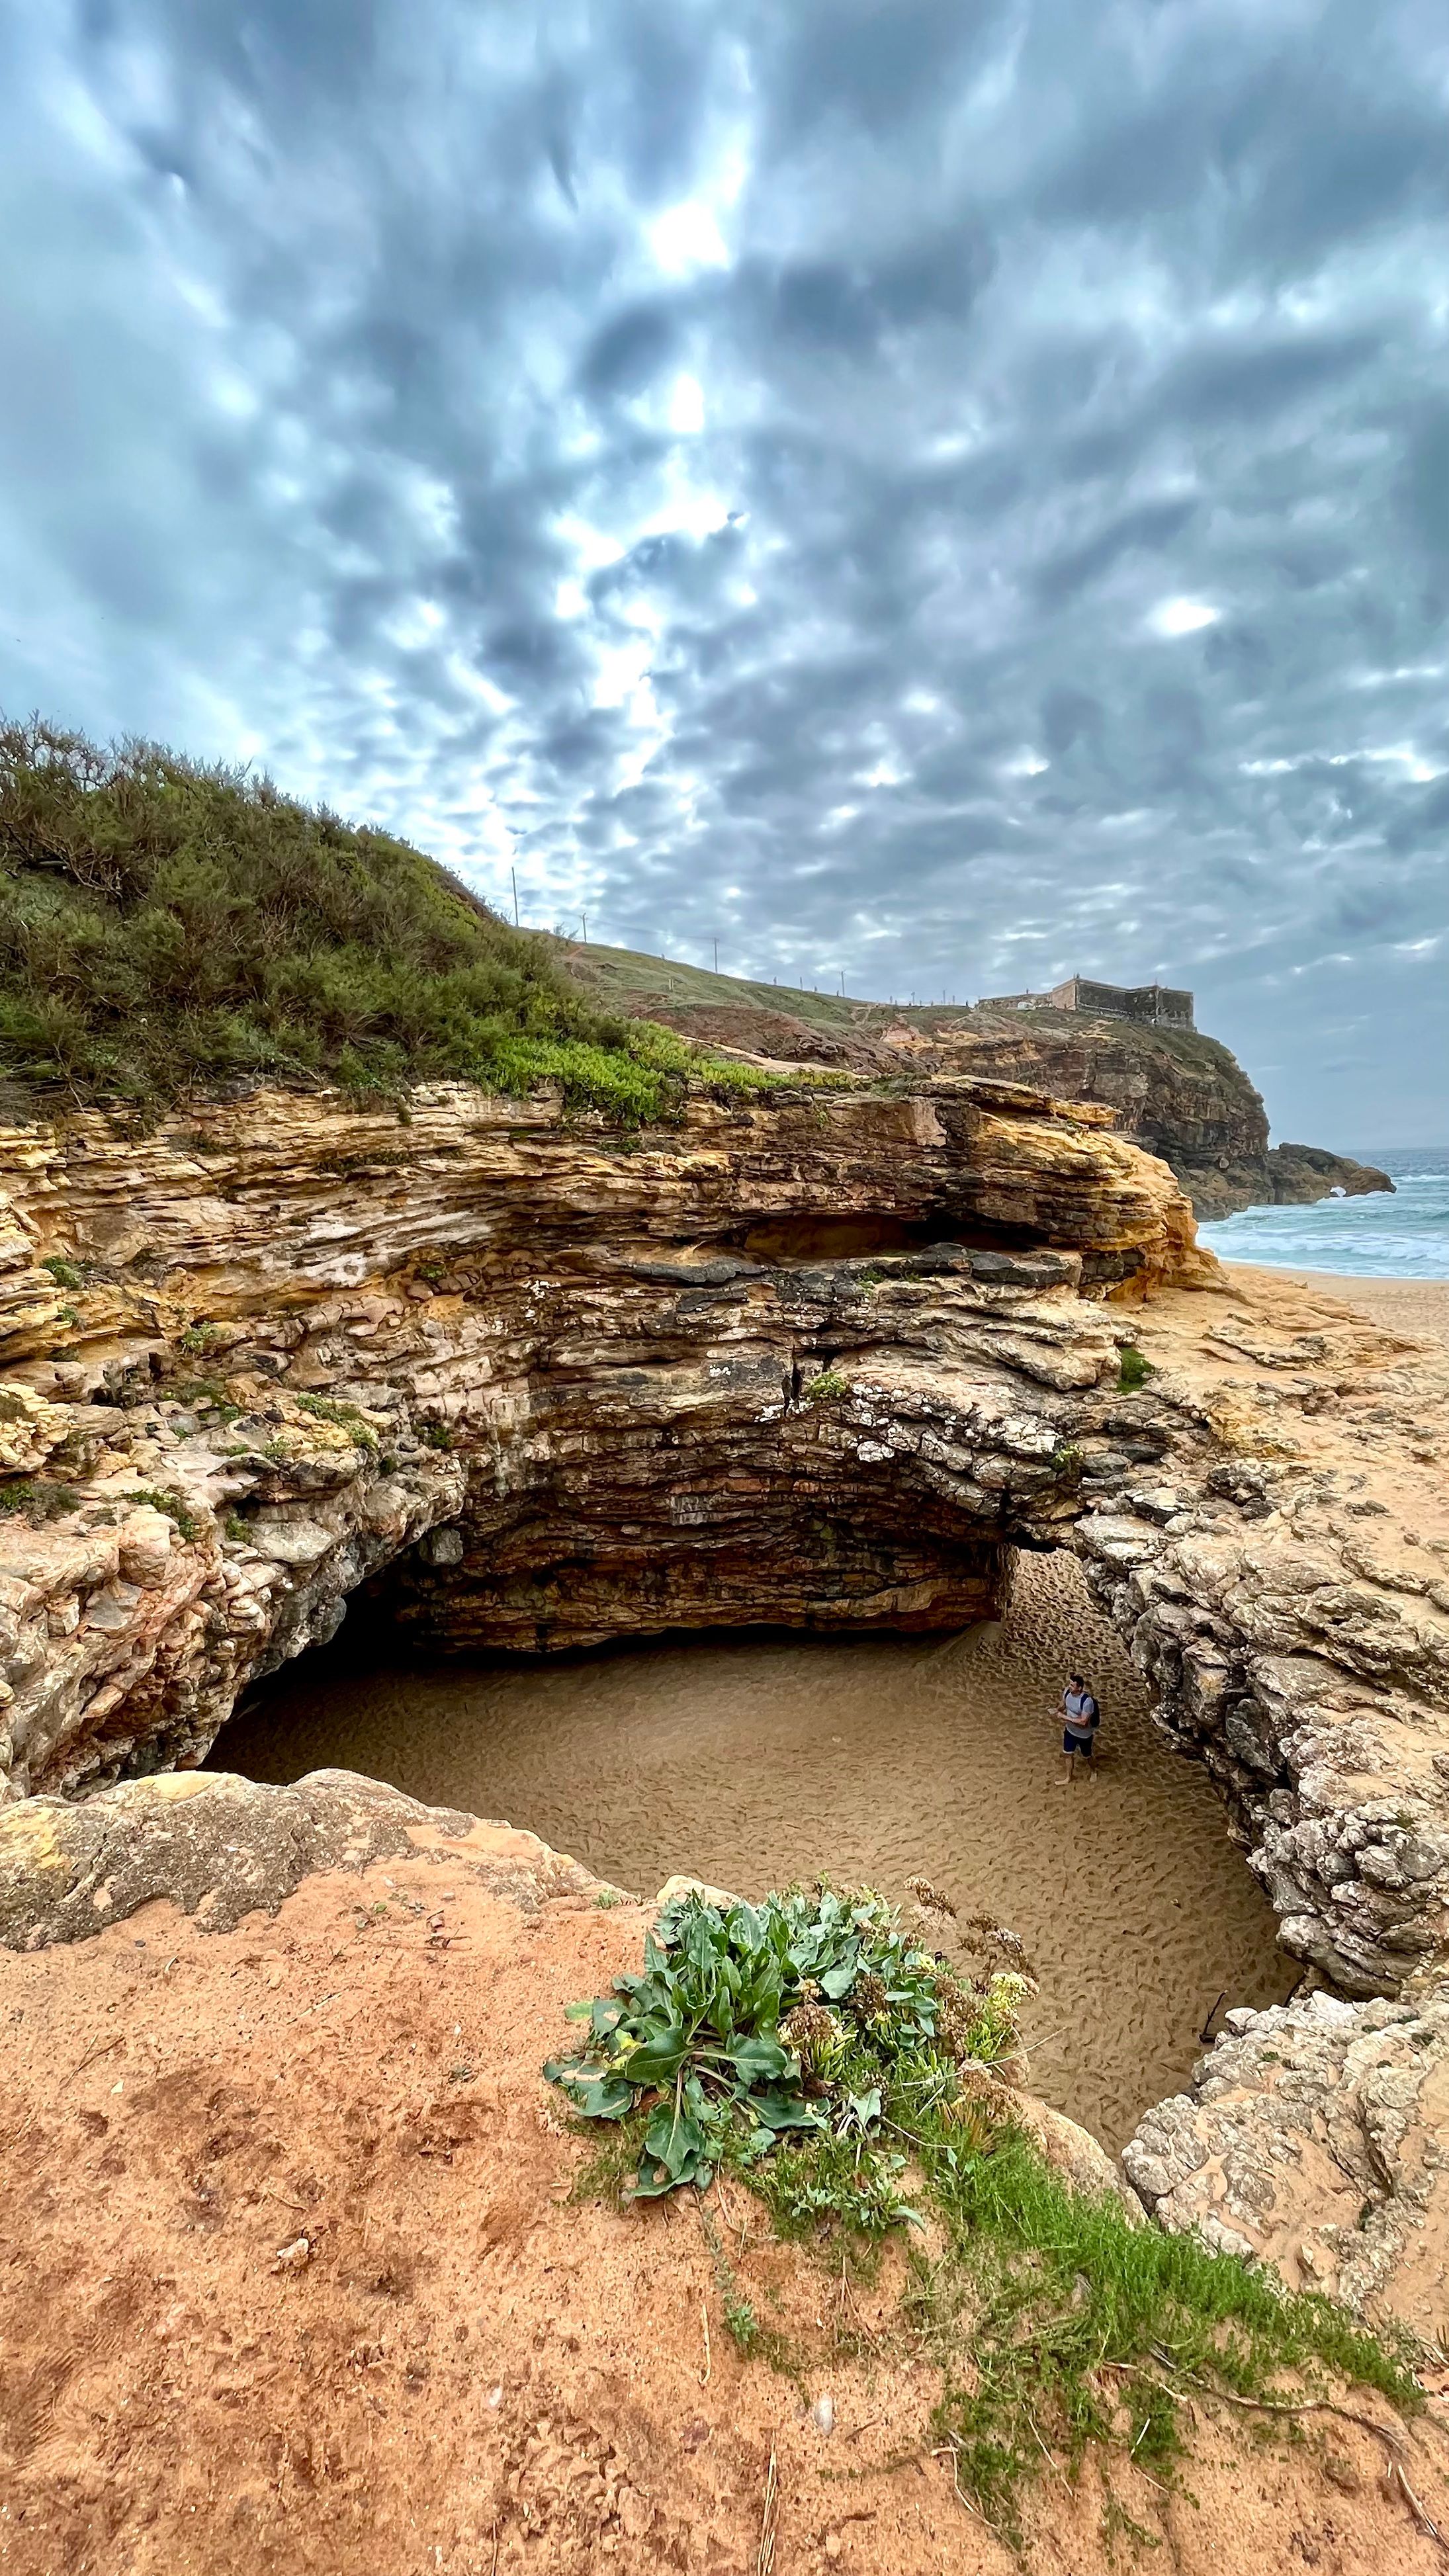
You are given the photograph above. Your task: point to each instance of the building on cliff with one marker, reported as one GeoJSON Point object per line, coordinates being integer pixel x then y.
{"type": "Point", "coordinates": [1158, 1003]}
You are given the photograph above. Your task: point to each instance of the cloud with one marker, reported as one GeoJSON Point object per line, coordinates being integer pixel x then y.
{"type": "Point", "coordinates": [938, 492]}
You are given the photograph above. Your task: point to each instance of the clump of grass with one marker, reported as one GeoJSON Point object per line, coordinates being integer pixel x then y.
{"type": "Point", "coordinates": [826, 1388]}
{"type": "Point", "coordinates": [198, 1339]}
{"type": "Point", "coordinates": [1134, 1369]}
{"type": "Point", "coordinates": [63, 1272]}
{"type": "Point", "coordinates": [168, 928]}
{"type": "Point", "coordinates": [1075, 2315]}
{"type": "Point", "coordinates": [812, 2049]}
{"type": "Point", "coordinates": [437, 1435]}
{"type": "Point", "coordinates": [175, 1507]}
{"type": "Point", "coordinates": [38, 1498]}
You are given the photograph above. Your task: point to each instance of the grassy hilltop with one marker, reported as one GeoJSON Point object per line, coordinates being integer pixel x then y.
{"type": "Point", "coordinates": [169, 928]}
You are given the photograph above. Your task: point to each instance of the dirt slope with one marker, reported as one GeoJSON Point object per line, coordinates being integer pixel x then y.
{"type": "Point", "coordinates": [468, 2372]}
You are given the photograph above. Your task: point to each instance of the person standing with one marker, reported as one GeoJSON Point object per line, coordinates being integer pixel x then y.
{"type": "Point", "coordinates": [1081, 1718]}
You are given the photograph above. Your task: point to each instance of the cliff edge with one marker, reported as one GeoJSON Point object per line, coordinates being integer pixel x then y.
{"type": "Point", "coordinates": [1176, 1093]}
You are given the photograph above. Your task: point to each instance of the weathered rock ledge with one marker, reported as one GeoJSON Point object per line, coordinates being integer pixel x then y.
{"type": "Point", "coordinates": [825, 1359]}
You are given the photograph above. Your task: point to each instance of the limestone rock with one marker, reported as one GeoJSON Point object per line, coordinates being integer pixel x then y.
{"type": "Point", "coordinates": [1317, 2139]}
{"type": "Point", "coordinates": [221, 1847]}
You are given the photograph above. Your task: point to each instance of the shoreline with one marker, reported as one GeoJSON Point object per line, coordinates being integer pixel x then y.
{"type": "Point", "coordinates": [1418, 1306]}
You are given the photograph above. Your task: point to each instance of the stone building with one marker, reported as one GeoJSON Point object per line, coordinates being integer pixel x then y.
{"type": "Point", "coordinates": [1160, 1003]}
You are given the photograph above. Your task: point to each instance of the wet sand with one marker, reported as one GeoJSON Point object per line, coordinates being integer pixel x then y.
{"type": "Point", "coordinates": [754, 1760]}
{"type": "Point", "coordinates": [1417, 1306]}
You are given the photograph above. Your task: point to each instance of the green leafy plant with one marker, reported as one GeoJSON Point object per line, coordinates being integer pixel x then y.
{"type": "Point", "coordinates": [809, 2046]}
{"type": "Point", "coordinates": [826, 1388]}
{"type": "Point", "coordinates": [749, 2022]}
{"type": "Point", "coordinates": [437, 1435]}
{"type": "Point", "coordinates": [1134, 1369]}
{"type": "Point", "coordinates": [63, 1272]}
{"type": "Point", "coordinates": [199, 1338]}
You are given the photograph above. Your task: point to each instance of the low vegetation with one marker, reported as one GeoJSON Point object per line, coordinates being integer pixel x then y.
{"type": "Point", "coordinates": [1134, 1368]}
{"type": "Point", "coordinates": [168, 928]}
{"type": "Point", "coordinates": [842, 2069]}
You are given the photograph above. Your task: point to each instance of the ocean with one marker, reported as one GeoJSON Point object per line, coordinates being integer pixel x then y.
{"type": "Point", "coordinates": [1403, 1237]}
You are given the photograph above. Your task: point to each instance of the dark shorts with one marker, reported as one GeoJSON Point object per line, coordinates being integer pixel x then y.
{"type": "Point", "coordinates": [1077, 1743]}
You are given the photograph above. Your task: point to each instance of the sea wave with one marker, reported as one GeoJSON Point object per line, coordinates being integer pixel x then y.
{"type": "Point", "coordinates": [1379, 1237]}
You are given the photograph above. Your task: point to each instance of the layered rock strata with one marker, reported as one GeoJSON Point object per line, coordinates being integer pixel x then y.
{"type": "Point", "coordinates": [818, 1358]}
{"type": "Point", "coordinates": [253, 1361]}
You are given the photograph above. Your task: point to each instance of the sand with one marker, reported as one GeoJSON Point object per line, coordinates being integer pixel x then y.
{"type": "Point", "coordinates": [1419, 1307]}
{"type": "Point", "coordinates": [467, 2375]}
{"type": "Point", "coordinates": [751, 1762]}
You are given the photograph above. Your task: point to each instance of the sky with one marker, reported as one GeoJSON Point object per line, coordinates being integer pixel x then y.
{"type": "Point", "coordinates": [936, 493]}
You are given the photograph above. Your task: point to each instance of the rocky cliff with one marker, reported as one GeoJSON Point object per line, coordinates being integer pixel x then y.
{"type": "Point", "coordinates": [1175, 1092]}
{"type": "Point", "coordinates": [817, 1358]}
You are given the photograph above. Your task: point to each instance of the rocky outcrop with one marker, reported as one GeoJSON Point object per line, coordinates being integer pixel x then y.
{"type": "Point", "coordinates": [1300, 1174]}
{"type": "Point", "coordinates": [222, 1848]}
{"type": "Point", "coordinates": [599, 1376]}
{"type": "Point", "coordinates": [1317, 2139]}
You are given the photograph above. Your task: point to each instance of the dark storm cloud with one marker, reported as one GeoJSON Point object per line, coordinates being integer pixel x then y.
{"type": "Point", "coordinates": [944, 490]}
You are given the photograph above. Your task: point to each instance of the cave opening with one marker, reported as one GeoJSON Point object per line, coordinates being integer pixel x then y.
{"type": "Point", "coordinates": [755, 1757]}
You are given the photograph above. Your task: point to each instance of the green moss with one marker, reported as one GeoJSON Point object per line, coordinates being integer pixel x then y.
{"type": "Point", "coordinates": [168, 928]}
{"type": "Point", "coordinates": [343, 1417]}
{"type": "Point", "coordinates": [175, 1507]}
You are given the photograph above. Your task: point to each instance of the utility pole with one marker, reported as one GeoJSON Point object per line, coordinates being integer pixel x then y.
{"type": "Point", "coordinates": [716, 957]}
{"type": "Point", "coordinates": [513, 872]}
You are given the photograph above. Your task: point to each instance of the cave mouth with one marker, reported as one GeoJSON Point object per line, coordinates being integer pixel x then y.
{"type": "Point", "coordinates": [752, 1758]}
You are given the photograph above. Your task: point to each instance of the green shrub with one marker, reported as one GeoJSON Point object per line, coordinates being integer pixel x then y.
{"type": "Point", "coordinates": [753, 2021]}
{"type": "Point", "coordinates": [38, 1498]}
{"type": "Point", "coordinates": [826, 1388]}
{"type": "Point", "coordinates": [64, 1273]}
{"type": "Point", "coordinates": [1134, 1369]}
{"type": "Point", "coordinates": [168, 928]}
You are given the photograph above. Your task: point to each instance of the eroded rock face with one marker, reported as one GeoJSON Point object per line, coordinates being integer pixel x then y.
{"type": "Point", "coordinates": [1316, 2138]}
{"type": "Point", "coordinates": [601, 1377]}
{"type": "Point", "coordinates": [822, 1359]}
{"type": "Point", "coordinates": [1175, 1092]}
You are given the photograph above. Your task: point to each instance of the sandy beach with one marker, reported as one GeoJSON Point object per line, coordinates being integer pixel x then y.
{"type": "Point", "coordinates": [1417, 1306]}
{"type": "Point", "coordinates": [753, 1761]}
